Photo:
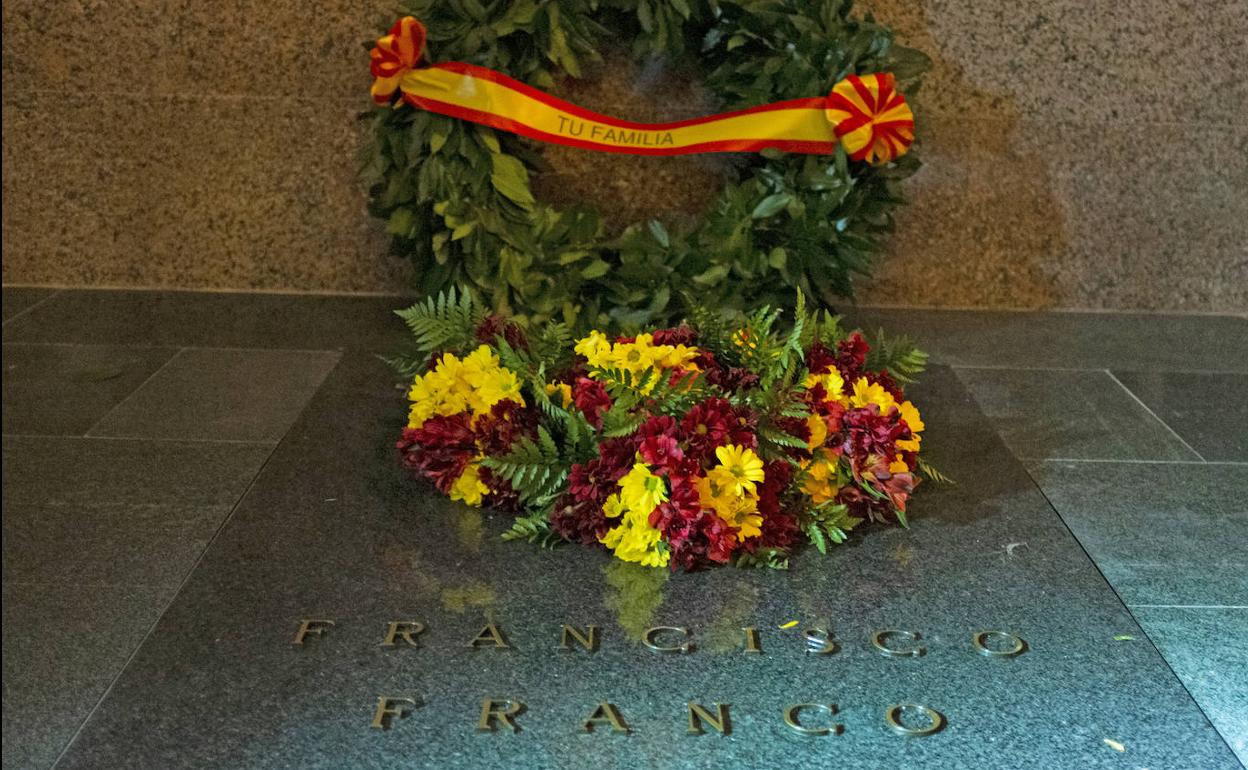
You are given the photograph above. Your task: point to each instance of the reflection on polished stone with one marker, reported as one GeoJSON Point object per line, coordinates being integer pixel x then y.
{"type": "Point", "coordinates": [333, 530]}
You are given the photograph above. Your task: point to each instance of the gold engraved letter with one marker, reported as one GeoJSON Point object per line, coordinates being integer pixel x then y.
{"type": "Point", "coordinates": [390, 707]}
{"type": "Point", "coordinates": [892, 717]}
{"type": "Point", "coordinates": [498, 711]}
{"type": "Point", "coordinates": [791, 719]}
{"type": "Point", "coordinates": [588, 640]}
{"type": "Point", "coordinates": [606, 714]}
{"type": "Point", "coordinates": [649, 639]}
{"type": "Point", "coordinates": [819, 641]}
{"type": "Point", "coordinates": [1016, 644]}
{"type": "Point", "coordinates": [751, 640]}
{"type": "Point", "coordinates": [408, 629]}
{"type": "Point", "coordinates": [490, 635]}
{"type": "Point", "coordinates": [878, 639]}
{"type": "Point", "coordinates": [698, 713]}
{"type": "Point", "coordinates": [311, 628]}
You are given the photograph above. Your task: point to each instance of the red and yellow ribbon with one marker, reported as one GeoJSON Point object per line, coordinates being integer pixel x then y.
{"type": "Point", "coordinates": [865, 113]}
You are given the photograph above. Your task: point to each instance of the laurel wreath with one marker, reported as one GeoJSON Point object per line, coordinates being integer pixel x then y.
{"type": "Point", "coordinates": [457, 201]}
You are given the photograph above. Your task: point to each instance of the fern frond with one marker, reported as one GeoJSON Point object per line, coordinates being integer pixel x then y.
{"type": "Point", "coordinates": [764, 558]}
{"type": "Point", "coordinates": [534, 528]}
{"type": "Point", "coordinates": [444, 322]}
{"type": "Point", "coordinates": [898, 356]}
{"type": "Point", "coordinates": [928, 471]}
{"type": "Point", "coordinates": [534, 468]}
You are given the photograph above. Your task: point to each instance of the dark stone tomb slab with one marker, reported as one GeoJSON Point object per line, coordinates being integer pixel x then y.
{"type": "Point", "coordinates": [332, 530]}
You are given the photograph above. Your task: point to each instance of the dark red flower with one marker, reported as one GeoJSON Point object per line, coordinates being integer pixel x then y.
{"type": "Point", "coordinates": [886, 381]}
{"type": "Point", "coordinates": [707, 426]}
{"type": "Point", "coordinates": [506, 422]}
{"type": "Point", "coordinates": [591, 398]}
{"type": "Point", "coordinates": [440, 449]}
{"type": "Point", "coordinates": [495, 326]}
{"type": "Point", "coordinates": [779, 528]}
{"type": "Point", "coordinates": [660, 450]}
{"type": "Point", "coordinates": [851, 356]}
{"type": "Point", "coordinates": [819, 358]}
{"type": "Point", "coordinates": [579, 520]}
{"type": "Point", "coordinates": [732, 379]}
{"type": "Point", "coordinates": [502, 496]}
{"type": "Point", "coordinates": [681, 335]}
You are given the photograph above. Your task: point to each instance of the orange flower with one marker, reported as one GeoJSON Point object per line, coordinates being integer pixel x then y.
{"type": "Point", "coordinates": [394, 55]}
{"type": "Point", "coordinates": [870, 118]}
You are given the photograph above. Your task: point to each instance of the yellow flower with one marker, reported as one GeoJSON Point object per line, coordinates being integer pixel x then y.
{"type": "Point", "coordinates": [596, 348]}
{"type": "Point", "coordinates": [910, 414]}
{"type": "Point", "coordinates": [740, 464]}
{"type": "Point", "coordinates": [637, 357]}
{"type": "Point", "coordinates": [818, 431]}
{"type": "Point", "coordinates": [641, 490]}
{"type": "Point", "coordinates": [866, 393]}
{"type": "Point", "coordinates": [492, 386]}
{"type": "Point", "coordinates": [469, 487]}
{"type": "Point", "coordinates": [676, 356]}
{"type": "Point", "coordinates": [740, 511]}
{"type": "Point", "coordinates": [833, 384]}
{"type": "Point", "coordinates": [438, 392]}
{"type": "Point", "coordinates": [634, 539]}
{"type": "Point", "coordinates": [821, 481]}
{"type": "Point", "coordinates": [563, 389]}
{"type": "Point", "coordinates": [898, 466]}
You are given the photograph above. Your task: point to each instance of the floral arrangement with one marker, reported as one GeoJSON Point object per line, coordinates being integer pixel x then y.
{"type": "Point", "coordinates": [724, 440]}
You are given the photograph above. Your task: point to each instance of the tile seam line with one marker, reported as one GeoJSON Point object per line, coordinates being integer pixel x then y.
{"type": "Point", "coordinates": [177, 348]}
{"type": "Point", "coordinates": [1226, 742]}
{"type": "Point", "coordinates": [20, 313]}
{"type": "Point", "coordinates": [1163, 369]}
{"type": "Point", "coordinates": [99, 420]}
{"type": "Point", "coordinates": [199, 559]}
{"type": "Point", "coordinates": [869, 306]}
{"type": "Point", "coordinates": [1146, 408]}
{"type": "Point", "coordinates": [1233, 463]}
{"type": "Point", "coordinates": [173, 597]}
{"type": "Point", "coordinates": [1189, 606]}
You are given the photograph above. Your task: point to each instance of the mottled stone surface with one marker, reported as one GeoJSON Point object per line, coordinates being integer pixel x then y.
{"type": "Point", "coordinates": [1219, 433]}
{"type": "Point", "coordinates": [1071, 415]}
{"type": "Point", "coordinates": [1163, 534]}
{"type": "Point", "coordinates": [221, 395]}
{"type": "Point", "coordinates": [1087, 155]}
{"type": "Point", "coordinates": [1202, 644]}
{"type": "Point", "coordinates": [374, 546]}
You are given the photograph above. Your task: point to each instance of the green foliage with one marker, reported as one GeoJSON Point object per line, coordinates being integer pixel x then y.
{"type": "Point", "coordinates": [928, 471]}
{"type": "Point", "coordinates": [456, 196]}
{"type": "Point", "coordinates": [534, 528]}
{"type": "Point", "coordinates": [535, 468]}
{"type": "Point", "coordinates": [899, 356]}
{"type": "Point", "coordinates": [764, 558]}
{"type": "Point", "coordinates": [444, 322]}
{"type": "Point", "coordinates": [828, 522]}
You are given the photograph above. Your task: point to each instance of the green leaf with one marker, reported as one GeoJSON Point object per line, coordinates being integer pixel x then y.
{"type": "Point", "coordinates": [771, 205]}
{"type": "Point", "coordinates": [659, 233]}
{"type": "Point", "coordinates": [511, 179]}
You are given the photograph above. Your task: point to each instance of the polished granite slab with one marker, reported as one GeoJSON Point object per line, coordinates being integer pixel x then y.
{"type": "Point", "coordinates": [1071, 414]}
{"type": "Point", "coordinates": [1162, 533]}
{"type": "Point", "coordinates": [332, 529]}
{"type": "Point", "coordinates": [1205, 647]}
{"type": "Point", "coordinates": [219, 320]}
{"type": "Point", "coordinates": [56, 390]}
{"type": "Point", "coordinates": [1209, 410]}
{"type": "Point", "coordinates": [221, 395]}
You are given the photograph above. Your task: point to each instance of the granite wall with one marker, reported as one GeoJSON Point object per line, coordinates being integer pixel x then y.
{"type": "Point", "coordinates": [1078, 154]}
